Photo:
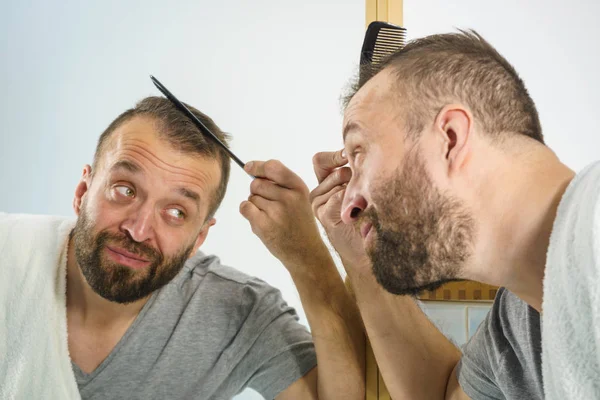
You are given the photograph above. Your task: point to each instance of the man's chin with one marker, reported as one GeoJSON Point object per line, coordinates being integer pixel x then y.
{"type": "Point", "coordinates": [119, 299]}
{"type": "Point", "coordinates": [412, 290]}
{"type": "Point", "coordinates": [402, 284]}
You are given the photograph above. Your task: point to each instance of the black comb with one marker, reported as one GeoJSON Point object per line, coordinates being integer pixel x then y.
{"type": "Point", "coordinates": [381, 40]}
{"type": "Point", "coordinates": [181, 107]}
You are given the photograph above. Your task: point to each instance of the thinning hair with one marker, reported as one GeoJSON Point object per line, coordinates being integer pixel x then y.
{"type": "Point", "coordinates": [181, 133]}
{"type": "Point", "coordinates": [464, 68]}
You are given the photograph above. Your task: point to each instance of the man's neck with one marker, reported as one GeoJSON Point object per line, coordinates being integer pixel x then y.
{"type": "Point", "coordinates": [517, 213]}
{"type": "Point", "coordinates": [89, 309]}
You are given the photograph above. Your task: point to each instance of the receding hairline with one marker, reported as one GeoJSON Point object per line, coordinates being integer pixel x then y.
{"type": "Point", "coordinates": [159, 130]}
{"type": "Point", "coordinates": [112, 140]}
{"type": "Point", "coordinates": [377, 91]}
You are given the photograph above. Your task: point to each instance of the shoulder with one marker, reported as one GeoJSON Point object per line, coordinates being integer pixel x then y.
{"type": "Point", "coordinates": [204, 265]}
{"type": "Point", "coordinates": [22, 235]}
{"type": "Point", "coordinates": [510, 325]}
{"type": "Point", "coordinates": [505, 350]}
{"type": "Point", "coordinates": [31, 224]}
{"type": "Point", "coordinates": [13, 220]}
{"type": "Point", "coordinates": [579, 205]}
{"type": "Point", "coordinates": [31, 250]}
{"type": "Point", "coordinates": [205, 279]}
{"type": "Point", "coordinates": [511, 321]}
{"type": "Point", "coordinates": [209, 267]}
{"type": "Point", "coordinates": [573, 256]}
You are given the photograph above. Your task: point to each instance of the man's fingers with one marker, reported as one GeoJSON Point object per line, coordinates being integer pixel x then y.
{"type": "Point", "coordinates": [325, 162]}
{"type": "Point", "coordinates": [275, 171]}
{"type": "Point", "coordinates": [251, 212]}
{"type": "Point", "coordinates": [338, 177]}
{"type": "Point", "coordinates": [318, 201]}
{"type": "Point", "coordinates": [267, 189]}
{"type": "Point", "coordinates": [264, 205]}
{"type": "Point", "coordinates": [333, 198]}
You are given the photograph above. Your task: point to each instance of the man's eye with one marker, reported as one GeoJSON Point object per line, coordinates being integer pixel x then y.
{"type": "Point", "coordinates": [176, 213]}
{"type": "Point", "coordinates": [355, 154]}
{"type": "Point", "coordinates": [125, 191]}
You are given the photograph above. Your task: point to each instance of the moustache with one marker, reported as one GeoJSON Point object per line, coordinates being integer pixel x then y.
{"type": "Point", "coordinates": [139, 249]}
{"type": "Point", "coordinates": [369, 215]}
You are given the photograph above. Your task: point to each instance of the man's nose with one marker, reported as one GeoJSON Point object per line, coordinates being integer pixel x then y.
{"type": "Point", "coordinates": [352, 206]}
{"type": "Point", "coordinates": [140, 225]}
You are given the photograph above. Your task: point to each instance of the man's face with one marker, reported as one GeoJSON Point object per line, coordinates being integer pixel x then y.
{"type": "Point", "coordinates": [142, 213]}
{"type": "Point", "coordinates": [417, 235]}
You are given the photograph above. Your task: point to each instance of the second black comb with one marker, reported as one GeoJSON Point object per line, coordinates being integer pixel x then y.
{"type": "Point", "coordinates": [381, 40]}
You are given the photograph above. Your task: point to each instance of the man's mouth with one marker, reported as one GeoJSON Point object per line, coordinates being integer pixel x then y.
{"type": "Point", "coordinates": [124, 257]}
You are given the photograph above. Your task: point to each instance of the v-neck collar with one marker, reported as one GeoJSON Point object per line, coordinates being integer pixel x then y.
{"type": "Point", "coordinates": [83, 378]}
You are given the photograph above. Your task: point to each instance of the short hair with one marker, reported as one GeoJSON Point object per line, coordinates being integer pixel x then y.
{"type": "Point", "coordinates": [463, 67]}
{"type": "Point", "coordinates": [181, 133]}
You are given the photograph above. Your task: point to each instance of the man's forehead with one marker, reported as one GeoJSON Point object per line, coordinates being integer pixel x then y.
{"type": "Point", "coordinates": [139, 128]}
{"type": "Point", "coordinates": [367, 102]}
{"type": "Point", "coordinates": [139, 143]}
{"type": "Point", "coordinates": [141, 137]}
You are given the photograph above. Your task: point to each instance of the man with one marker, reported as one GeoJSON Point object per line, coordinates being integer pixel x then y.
{"type": "Point", "coordinates": [445, 176]}
{"type": "Point", "coordinates": [448, 179]}
{"type": "Point", "coordinates": [146, 315]}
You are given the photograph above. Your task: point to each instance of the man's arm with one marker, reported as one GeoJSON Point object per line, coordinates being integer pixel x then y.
{"type": "Point", "coordinates": [280, 215]}
{"type": "Point", "coordinates": [336, 330]}
{"type": "Point", "coordinates": [454, 391]}
{"type": "Point", "coordinates": [304, 388]}
{"type": "Point", "coordinates": [414, 357]}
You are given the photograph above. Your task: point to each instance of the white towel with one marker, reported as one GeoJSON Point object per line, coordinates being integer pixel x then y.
{"type": "Point", "coordinates": [34, 353]}
{"type": "Point", "coordinates": [571, 306]}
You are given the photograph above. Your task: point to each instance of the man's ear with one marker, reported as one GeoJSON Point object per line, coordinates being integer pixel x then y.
{"type": "Point", "coordinates": [202, 235]}
{"type": "Point", "coordinates": [82, 188]}
{"type": "Point", "coordinates": [454, 123]}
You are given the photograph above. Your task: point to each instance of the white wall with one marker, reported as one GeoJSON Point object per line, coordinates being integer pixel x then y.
{"type": "Point", "coordinates": [269, 72]}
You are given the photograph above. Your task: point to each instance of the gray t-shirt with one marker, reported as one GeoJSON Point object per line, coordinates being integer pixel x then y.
{"type": "Point", "coordinates": [503, 359]}
{"type": "Point", "coordinates": [208, 334]}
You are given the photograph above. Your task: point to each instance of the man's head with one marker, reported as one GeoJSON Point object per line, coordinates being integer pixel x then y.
{"type": "Point", "coordinates": [148, 202]}
{"type": "Point", "coordinates": [417, 131]}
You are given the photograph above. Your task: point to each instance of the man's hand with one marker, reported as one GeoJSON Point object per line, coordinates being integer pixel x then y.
{"type": "Point", "coordinates": [279, 213]}
{"type": "Point", "coordinates": [326, 200]}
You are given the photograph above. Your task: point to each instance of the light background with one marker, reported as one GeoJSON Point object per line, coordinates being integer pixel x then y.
{"type": "Point", "coordinates": [271, 73]}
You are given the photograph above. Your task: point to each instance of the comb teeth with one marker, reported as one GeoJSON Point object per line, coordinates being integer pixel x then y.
{"type": "Point", "coordinates": [388, 42]}
{"type": "Point", "coordinates": [381, 40]}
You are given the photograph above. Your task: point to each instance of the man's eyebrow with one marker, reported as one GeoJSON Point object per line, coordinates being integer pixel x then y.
{"type": "Point", "coordinates": [126, 165]}
{"type": "Point", "coordinates": [135, 169]}
{"type": "Point", "coordinates": [350, 126]}
{"type": "Point", "coordinates": [195, 197]}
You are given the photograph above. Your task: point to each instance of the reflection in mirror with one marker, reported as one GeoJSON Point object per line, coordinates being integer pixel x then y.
{"type": "Point", "coordinates": [131, 289]}
{"type": "Point", "coordinates": [137, 263]}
